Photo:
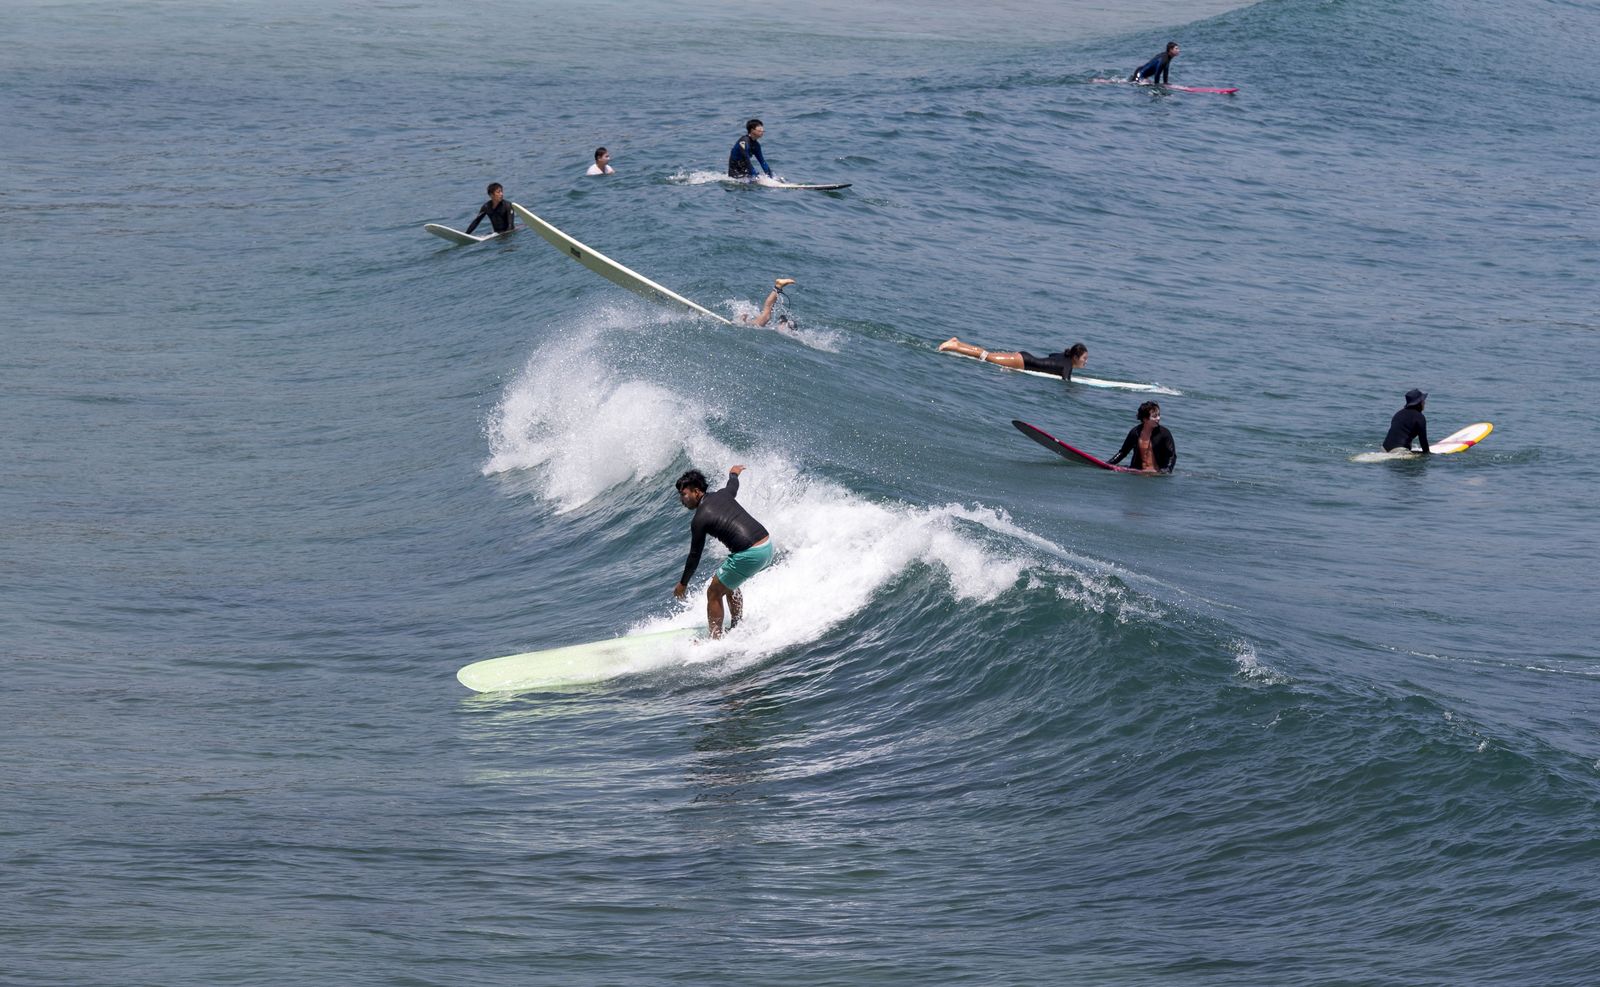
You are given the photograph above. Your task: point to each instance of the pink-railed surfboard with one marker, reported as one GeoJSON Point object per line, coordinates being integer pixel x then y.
{"type": "Point", "coordinates": [1070, 453]}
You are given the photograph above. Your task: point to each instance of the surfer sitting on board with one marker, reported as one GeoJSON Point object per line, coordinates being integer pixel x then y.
{"type": "Point", "coordinates": [747, 148]}
{"type": "Point", "coordinates": [602, 163]}
{"type": "Point", "coordinates": [766, 309]}
{"type": "Point", "coordinates": [1151, 444]}
{"type": "Point", "coordinates": [749, 547]}
{"type": "Point", "coordinates": [1408, 423]}
{"type": "Point", "coordinates": [1155, 70]}
{"type": "Point", "coordinates": [497, 209]}
{"type": "Point", "coordinates": [1062, 363]}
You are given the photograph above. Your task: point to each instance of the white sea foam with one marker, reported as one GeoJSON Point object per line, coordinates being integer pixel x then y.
{"type": "Point", "coordinates": [579, 430]}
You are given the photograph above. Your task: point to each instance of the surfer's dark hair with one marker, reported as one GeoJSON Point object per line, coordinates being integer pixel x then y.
{"type": "Point", "coordinates": [1146, 408]}
{"type": "Point", "coordinates": [598, 151]}
{"type": "Point", "coordinates": [493, 186]}
{"type": "Point", "coordinates": [752, 124]}
{"type": "Point", "coordinates": [691, 478]}
{"type": "Point", "coordinates": [1171, 45]}
{"type": "Point", "coordinates": [1076, 350]}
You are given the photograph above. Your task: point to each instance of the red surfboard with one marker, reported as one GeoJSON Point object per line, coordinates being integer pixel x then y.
{"type": "Point", "coordinates": [1063, 450]}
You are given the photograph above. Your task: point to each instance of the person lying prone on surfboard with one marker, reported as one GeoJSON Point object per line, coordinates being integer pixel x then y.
{"type": "Point", "coordinates": [766, 309]}
{"type": "Point", "coordinates": [1063, 363]}
{"type": "Point", "coordinates": [721, 517]}
{"type": "Point", "coordinates": [1152, 445]}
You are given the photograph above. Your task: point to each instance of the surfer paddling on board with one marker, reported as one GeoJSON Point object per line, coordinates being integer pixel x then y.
{"type": "Point", "coordinates": [746, 152]}
{"type": "Point", "coordinates": [1155, 70]}
{"type": "Point", "coordinates": [602, 163]}
{"type": "Point", "coordinates": [497, 209]}
{"type": "Point", "coordinates": [1408, 423]}
{"type": "Point", "coordinates": [721, 517]}
{"type": "Point", "coordinates": [1063, 363]}
{"type": "Point", "coordinates": [766, 309]}
{"type": "Point", "coordinates": [1149, 441]}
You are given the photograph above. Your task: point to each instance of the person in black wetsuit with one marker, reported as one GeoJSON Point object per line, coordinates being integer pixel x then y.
{"type": "Point", "coordinates": [746, 152]}
{"type": "Point", "coordinates": [721, 517]}
{"type": "Point", "coordinates": [497, 209]}
{"type": "Point", "coordinates": [1149, 441]}
{"type": "Point", "coordinates": [1408, 423]}
{"type": "Point", "coordinates": [1063, 363]}
{"type": "Point", "coordinates": [1155, 70]}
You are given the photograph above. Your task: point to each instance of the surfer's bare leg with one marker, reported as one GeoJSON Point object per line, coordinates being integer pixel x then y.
{"type": "Point", "coordinates": [735, 608]}
{"type": "Point", "coordinates": [715, 594]}
{"type": "Point", "coordinates": [954, 345]}
{"type": "Point", "coordinates": [772, 300]}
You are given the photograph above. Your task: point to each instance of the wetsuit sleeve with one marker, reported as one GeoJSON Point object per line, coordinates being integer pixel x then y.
{"type": "Point", "coordinates": [1169, 454]}
{"type": "Point", "coordinates": [1422, 434]}
{"type": "Point", "coordinates": [697, 543]}
{"type": "Point", "coordinates": [1161, 73]}
{"type": "Point", "coordinates": [763, 164]}
{"type": "Point", "coordinates": [479, 218]}
{"type": "Point", "coordinates": [1127, 446]}
{"type": "Point", "coordinates": [732, 486]}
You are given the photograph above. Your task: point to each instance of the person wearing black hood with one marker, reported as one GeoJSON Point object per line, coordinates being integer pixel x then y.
{"type": "Point", "coordinates": [1408, 423]}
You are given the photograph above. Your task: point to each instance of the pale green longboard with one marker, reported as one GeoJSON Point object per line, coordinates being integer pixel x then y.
{"type": "Point", "coordinates": [577, 664]}
{"type": "Point", "coordinates": [609, 269]}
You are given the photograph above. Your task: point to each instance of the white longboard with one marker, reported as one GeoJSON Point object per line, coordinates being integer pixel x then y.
{"type": "Point", "coordinates": [1121, 385]}
{"type": "Point", "coordinates": [609, 269]}
{"type": "Point", "coordinates": [1458, 441]}
{"type": "Point", "coordinates": [456, 236]}
{"type": "Point", "coordinates": [578, 664]}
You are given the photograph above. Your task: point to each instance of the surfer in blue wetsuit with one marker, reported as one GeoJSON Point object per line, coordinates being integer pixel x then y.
{"type": "Point", "coordinates": [497, 209]}
{"type": "Point", "coordinates": [1061, 364]}
{"type": "Point", "coordinates": [765, 317]}
{"type": "Point", "coordinates": [1151, 444]}
{"type": "Point", "coordinates": [721, 517]}
{"type": "Point", "coordinates": [1155, 70]}
{"type": "Point", "coordinates": [1408, 423]}
{"type": "Point", "coordinates": [746, 153]}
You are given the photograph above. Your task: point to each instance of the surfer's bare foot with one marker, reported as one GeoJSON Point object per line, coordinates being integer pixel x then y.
{"type": "Point", "coordinates": [949, 344]}
{"type": "Point", "coordinates": [782, 283]}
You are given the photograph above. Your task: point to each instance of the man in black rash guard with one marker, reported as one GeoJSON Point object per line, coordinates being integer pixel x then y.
{"type": "Point", "coordinates": [721, 517]}
{"type": "Point", "coordinates": [1408, 423]}
{"type": "Point", "coordinates": [1062, 364]}
{"type": "Point", "coordinates": [1151, 444]}
{"type": "Point", "coordinates": [498, 210]}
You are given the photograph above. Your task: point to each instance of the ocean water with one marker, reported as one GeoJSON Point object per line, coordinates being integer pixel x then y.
{"type": "Point", "coordinates": [277, 463]}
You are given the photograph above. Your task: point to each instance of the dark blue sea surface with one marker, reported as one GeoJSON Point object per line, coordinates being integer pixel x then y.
{"type": "Point", "coordinates": [277, 463]}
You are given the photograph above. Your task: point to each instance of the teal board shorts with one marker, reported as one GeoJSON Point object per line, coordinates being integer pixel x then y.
{"type": "Point", "coordinates": [740, 566]}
